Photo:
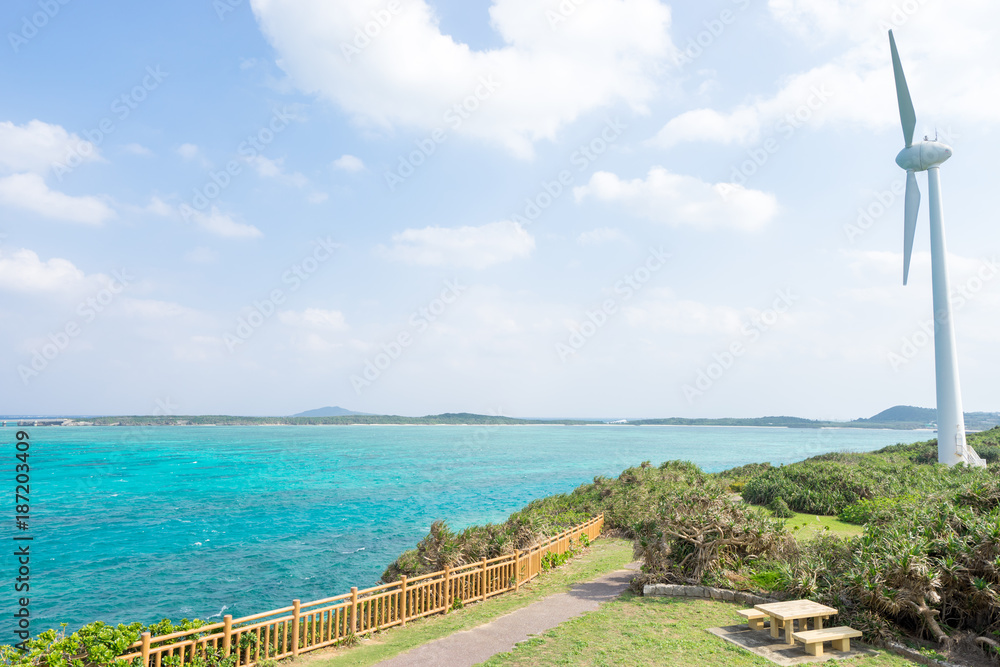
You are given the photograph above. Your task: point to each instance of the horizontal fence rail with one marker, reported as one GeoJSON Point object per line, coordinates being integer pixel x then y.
{"type": "Point", "coordinates": [289, 631]}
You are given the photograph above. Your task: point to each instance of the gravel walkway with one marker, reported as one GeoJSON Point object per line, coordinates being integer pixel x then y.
{"type": "Point", "coordinates": [471, 647]}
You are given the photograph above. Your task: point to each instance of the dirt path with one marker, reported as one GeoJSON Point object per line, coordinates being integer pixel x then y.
{"type": "Point", "coordinates": [471, 647]}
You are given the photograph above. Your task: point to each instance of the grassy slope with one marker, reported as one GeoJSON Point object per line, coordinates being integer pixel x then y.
{"type": "Point", "coordinates": [808, 526]}
{"type": "Point", "coordinates": [605, 555]}
{"type": "Point", "coordinates": [634, 630]}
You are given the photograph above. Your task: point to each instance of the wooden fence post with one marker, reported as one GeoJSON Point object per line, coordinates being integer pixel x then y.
{"type": "Point", "coordinates": [484, 578]}
{"type": "Point", "coordinates": [227, 640]}
{"type": "Point", "coordinates": [447, 588]}
{"type": "Point", "coordinates": [145, 648]}
{"type": "Point", "coordinates": [402, 596]}
{"type": "Point", "coordinates": [517, 570]}
{"type": "Point", "coordinates": [355, 628]}
{"type": "Point", "coordinates": [296, 615]}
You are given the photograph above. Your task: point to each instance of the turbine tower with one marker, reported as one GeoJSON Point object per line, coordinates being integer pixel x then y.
{"type": "Point", "coordinates": [928, 156]}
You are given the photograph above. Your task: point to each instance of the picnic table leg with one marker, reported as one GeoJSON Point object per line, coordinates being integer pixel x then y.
{"type": "Point", "coordinates": [775, 628]}
{"type": "Point", "coordinates": [842, 644]}
{"type": "Point", "coordinates": [789, 629]}
{"type": "Point", "coordinates": [818, 623]}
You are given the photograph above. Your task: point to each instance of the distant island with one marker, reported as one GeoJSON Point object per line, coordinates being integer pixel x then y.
{"type": "Point", "coordinates": [902, 417]}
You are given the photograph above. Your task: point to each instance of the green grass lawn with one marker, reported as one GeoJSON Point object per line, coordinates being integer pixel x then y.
{"type": "Point", "coordinates": [605, 555]}
{"type": "Point", "coordinates": [807, 526]}
{"type": "Point", "coordinates": [634, 630]}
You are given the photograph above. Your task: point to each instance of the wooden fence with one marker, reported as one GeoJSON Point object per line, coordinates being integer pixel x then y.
{"type": "Point", "coordinates": [300, 628]}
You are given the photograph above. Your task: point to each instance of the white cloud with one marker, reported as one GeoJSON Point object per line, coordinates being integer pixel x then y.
{"type": "Point", "coordinates": [663, 312]}
{"type": "Point", "coordinates": [315, 318]}
{"type": "Point", "coordinates": [152, 309]}
{"type": "Point", "coordinates": [885, 263]}
{"type": "Point", "coordinates": [856, 87]}
{"type": "Point", "coordinates": [221, 224]}
{"type": "Point", "coordinates": [201, 255]}
{"type": "Point", "coordinates": [29, 191]}
{"type": "Point", "coordinates": [274, 169]}
{"type": "Point", "coordinates": [37, 146]}
{"type": "Point", "coordinates": [472, 247]}
{"type": "Point", "coordinates": [676, 200]}
{"type": "Point", "coordinates": [317, 197]}
{"type": "Point", "coordinates": [137, 149]}
{"type": "Point", "coordinates": [188, 151]}
{"type": "Point", "coordinates": [600, 236]}
{"type": "Point", "coordinates": [349, 163]}
{"type": "Point", "coordinates": [545, 76]}
{"type": "Point", "coordinates": [28, 153]}
{"type": "Point", "coordinates": [23, 271]}
{"type": "Point", "coordinates": [213, 221]}
{"type": "Point", "coordinates": [159, 207]}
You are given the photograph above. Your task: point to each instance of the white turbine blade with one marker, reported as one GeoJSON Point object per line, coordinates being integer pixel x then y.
{"type": "Point", "coordinates": [906, 114]}
{"type": "Point", "coordinates": [910, 220]}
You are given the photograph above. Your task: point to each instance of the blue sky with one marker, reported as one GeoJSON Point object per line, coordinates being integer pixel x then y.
{"type": "Point", "coordinates": [586, 208]}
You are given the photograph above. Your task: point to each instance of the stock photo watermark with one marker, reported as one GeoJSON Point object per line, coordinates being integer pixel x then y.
{"type": "Point", "coordinates": [223, 7]}
{"type": "Point", "coordinates": [363, 35]}
{"type": "Point", "coordinates": [419, 322]}
{"type": "Point", "coordinates": [294, 277]}
{"type": "Point", "coordinates": [626, 288]}
{"type": "Point", "coordinates": [454, 117]}
{"type": "Point", "coordinates": [22, 546]}
{"type": "Point", "coordinates": [57, 341]}
{"type": "Point", "coordinates": [725, 359]}
{"type": "Point", "coordinates": [883, 200]}
{"type": "Point", "coordinates": [713, 29]}
{"type": "Point", "coordinates": [901, 13]}
{"type": "Point", "coordinates": [870, 214]}
{"type": "Point", "coordinates": [786, 126]}
{"type": "Point", "coordinates": [248, 149]}
{"type": "Point", "coordinates": [33, 23]}
{"type": "Point", "coordinates": [911, 345]}
{"type": "Point", "coordinates": [122, 107]}
{"type": "Point", "coordinates": [584, 156]}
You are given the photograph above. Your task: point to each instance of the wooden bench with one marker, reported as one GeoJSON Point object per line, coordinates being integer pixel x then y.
{"type": "Point", "coordinates": [840, 638]}
{"type": "Point", "coordinates": [755, 618]}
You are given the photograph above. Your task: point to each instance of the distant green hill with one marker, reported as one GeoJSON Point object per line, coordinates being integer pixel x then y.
{"type": "Point", "coordinates": [334, 411]}
{"type": "Point", "coordinates": [901, 417]}
{"type": "Point", "coordinates": [908, 416]}
{"type": "Point", "coordinates": [905, 413]}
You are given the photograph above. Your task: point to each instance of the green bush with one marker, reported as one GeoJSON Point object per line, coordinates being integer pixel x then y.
{"type": "Point", "coordinates": [880, 510]}
{"type": "Point", "coordinates": [779, 508]}
{"type": "Point", "coordinates": [95, 644]}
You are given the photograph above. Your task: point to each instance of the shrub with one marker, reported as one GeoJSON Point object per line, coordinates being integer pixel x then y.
{"type": "Point", "coordinates": [880, 510]}
{"type": "Point", "coordinates": [696, 532]}
{"type": "Point", "coordinates": [779, 508]}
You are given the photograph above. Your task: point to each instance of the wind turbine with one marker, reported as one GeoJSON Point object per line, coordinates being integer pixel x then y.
{"type": "Point", "coordinates": [928, 156]}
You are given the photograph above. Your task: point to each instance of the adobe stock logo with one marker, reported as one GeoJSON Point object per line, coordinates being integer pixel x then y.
{"type": "Point", "coordinates": [88, 310]}
{"type": "Point", "coordinates": [419, 322]}
{"type": "Point", "coordinates": [626, 288]}
{"type": "Point", "coordinates": [751, 331]}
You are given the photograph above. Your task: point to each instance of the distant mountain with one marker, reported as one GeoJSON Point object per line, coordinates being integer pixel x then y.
{"type": "Point", "coordinates": [905, 413]}
{"type": "Point", "coordinates": [909, 416]}
{"type": "Point", "coordinates": [334, 411]}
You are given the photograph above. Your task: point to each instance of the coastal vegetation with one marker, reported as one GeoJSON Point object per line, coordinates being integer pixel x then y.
{"type": "Point", "coordinates": [902, 546]}
{"type": "Point", "coordinates": [923, 561]}
{"type": "Point", "coordinates": [899, 417]}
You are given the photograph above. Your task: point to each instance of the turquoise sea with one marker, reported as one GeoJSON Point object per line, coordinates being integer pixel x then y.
{"type": "Point", "coordinates": [143, 523]}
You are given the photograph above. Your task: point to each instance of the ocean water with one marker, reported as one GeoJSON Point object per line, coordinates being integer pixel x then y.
{"type": "Point", "coordinates": [143, 523]}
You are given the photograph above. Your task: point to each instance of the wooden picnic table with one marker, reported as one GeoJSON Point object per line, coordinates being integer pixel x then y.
{"type": "Point", "coordinates": [784, 614]}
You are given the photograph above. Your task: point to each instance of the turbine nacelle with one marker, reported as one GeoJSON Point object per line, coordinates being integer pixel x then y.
{"type": "Point", "coordinates": [923, 155]}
